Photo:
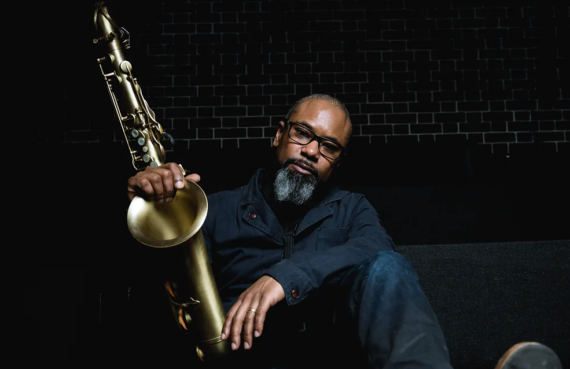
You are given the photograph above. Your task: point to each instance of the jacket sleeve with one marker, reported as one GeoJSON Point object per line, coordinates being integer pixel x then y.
{"type": "Point", "coordinates": [207, 227]}
{"type": "Point", "coordinates": [306, 271]}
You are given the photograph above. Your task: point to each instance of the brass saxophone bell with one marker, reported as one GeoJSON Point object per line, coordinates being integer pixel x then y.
{"type": "Point", "coordinates": [168, 224]}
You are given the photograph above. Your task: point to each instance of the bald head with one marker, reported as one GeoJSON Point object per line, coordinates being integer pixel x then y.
{"type": "Point", "coordinates": [327, 98]}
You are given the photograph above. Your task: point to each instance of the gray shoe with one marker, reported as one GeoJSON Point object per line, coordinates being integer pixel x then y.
{"type": "Point", "coordinates": [529, 355]}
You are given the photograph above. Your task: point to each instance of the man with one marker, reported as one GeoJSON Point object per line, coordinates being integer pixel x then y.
{"type": "Point", "coordinates": [306, 272]}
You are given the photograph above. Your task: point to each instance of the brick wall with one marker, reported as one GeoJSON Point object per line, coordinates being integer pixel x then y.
{"type": "Point", "coordinates": [221, 74]}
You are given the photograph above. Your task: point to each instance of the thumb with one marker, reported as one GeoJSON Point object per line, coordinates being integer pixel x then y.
{"type": "Point", "coordinates": [194, 177]}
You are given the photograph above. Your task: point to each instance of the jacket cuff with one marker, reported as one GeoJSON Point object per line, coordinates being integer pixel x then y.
{"type": "Point", "coordinates": [295, 284]}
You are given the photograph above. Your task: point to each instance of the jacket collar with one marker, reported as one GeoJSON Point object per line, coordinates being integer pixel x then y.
{"type": "Point", "coordinates": [266, 221]}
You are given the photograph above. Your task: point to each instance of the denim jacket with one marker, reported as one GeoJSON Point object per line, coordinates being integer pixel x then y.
{"type": "Point", "coordinates": [246, 241]}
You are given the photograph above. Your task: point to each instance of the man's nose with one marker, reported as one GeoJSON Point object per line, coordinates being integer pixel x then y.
{"type": "Point", "coordinates": [312, 149]}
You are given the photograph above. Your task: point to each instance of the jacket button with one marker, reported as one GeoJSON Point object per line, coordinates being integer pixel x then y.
{"type": "Point", "coordinates": [294, 294]}
{"type": "Point", "coordinates": [252, 215]}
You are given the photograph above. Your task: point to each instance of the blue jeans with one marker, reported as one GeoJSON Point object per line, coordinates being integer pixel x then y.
{"type": "Point", "coordinates": [382, 305]}
{"type": "Point", "coordinates": [374, 315]}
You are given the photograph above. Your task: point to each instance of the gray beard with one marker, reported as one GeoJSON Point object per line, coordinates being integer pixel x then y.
{"type": "Point", "coordinates": [293, 186]}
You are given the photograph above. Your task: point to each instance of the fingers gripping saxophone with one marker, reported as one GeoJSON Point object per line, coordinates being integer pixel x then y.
{"type": "Point", "coordinates": [174, 226]}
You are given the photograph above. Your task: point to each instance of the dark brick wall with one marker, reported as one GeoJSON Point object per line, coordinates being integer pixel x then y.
{"type": "Point", "coordinates": [220, 74]}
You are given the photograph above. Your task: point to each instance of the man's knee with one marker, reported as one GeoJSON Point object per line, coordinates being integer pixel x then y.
{"type": "Point", "coordinates": [386, 262]}
{"type": "Point", "coordinates": [385, 269]}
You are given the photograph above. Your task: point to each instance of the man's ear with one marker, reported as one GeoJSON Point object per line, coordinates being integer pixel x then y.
{"type": "Point", "coordinates": [278, 134]}
{"type": "Point", "coordinates": [340, 161]}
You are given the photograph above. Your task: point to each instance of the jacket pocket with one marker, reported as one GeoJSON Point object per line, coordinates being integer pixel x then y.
{"type": "Point", "coordinates": [331, 237]}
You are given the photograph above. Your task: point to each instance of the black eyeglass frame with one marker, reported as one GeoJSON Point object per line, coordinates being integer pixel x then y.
{"type": "Point", "coordinates": [315, 137]}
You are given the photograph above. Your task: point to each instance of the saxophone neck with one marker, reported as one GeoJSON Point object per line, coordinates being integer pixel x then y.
{"type": "Point", "coordinates": [104, 23]}
{"type": "Point", "coordinates": [141, 130]}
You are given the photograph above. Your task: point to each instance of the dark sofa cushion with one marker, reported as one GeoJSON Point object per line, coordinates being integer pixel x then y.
{"type": "Point", "coordinates": [489, 296]}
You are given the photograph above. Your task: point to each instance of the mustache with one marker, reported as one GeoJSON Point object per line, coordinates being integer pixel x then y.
{"type": "Point", "coordinates": [305, 163]}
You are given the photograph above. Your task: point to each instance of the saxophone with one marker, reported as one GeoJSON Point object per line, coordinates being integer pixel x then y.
{"type": "Point", "coordinates": [176, 226]}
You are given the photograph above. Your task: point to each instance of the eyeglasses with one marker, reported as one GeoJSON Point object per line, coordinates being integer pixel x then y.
{"type": "Point", "coordinates": [304, 136]}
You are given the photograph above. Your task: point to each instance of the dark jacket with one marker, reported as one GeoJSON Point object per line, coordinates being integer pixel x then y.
{"type": "Point", "coordinates": [246, 240]}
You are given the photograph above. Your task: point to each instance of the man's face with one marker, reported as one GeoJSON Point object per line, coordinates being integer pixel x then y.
{"type": "Point", "coordinates": [325, 120]}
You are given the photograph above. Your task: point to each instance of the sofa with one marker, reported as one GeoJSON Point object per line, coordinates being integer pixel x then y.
{"type": "Point", "coordinates": [489, 296]}
{"type": "Point", "coordinates": [488, 234]}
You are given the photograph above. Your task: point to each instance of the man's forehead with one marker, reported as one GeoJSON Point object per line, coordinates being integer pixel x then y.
{"type": "Point", "coordinates": [315, 104]}
{"type": "Point", "coordinates": [319, 111]}
{"type": "Point", "coordinates": [328, 121]}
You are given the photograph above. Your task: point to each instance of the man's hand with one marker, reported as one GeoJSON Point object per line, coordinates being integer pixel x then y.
{"type": "Point", "coordinates": [159, 184]}
{"type": "Point", "coordinates": [248, 313]}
